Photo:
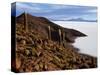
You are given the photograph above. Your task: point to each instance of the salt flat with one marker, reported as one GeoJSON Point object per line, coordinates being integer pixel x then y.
{"type": "Point", "coordinates": [87, 45]}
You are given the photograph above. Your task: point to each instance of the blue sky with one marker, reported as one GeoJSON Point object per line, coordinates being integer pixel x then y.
{"type": "Point", "coordinates": [56, 11]}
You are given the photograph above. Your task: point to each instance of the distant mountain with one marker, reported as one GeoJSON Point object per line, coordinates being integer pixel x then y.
{"type": "Point", "coordinates": [75, 19]}
{"type": "Point", "coordinates": [82, 20]}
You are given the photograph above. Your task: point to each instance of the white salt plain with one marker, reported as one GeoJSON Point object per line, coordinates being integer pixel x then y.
{"type": "Point", "coordinates": [87, 45]}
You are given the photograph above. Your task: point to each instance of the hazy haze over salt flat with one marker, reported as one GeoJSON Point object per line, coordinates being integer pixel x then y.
{"type": "Point", "coordinates": [87, 45]}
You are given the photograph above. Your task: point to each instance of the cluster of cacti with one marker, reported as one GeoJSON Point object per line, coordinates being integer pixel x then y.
{"type": "Point", "coordinates": [61, 35]}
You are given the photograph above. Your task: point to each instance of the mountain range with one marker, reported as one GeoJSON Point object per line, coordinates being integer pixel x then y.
{"type": "Point", "coordinates": [75, 19]}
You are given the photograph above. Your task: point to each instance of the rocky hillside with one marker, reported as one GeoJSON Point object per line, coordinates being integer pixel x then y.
{"type": "Point", "coordinates": [43, 25]}
{"type": "Point", "coordinates": [43, 48]}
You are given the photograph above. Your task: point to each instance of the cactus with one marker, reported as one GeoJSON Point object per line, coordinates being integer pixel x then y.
{"type": "Point", "coordinates": [64, 39]}
{"type": "Point", "coordinates": [25, 22]}
{"type": "Point", "coordinates": [49, 32]}
{"type": "Point", "coordinates": [60, 37]}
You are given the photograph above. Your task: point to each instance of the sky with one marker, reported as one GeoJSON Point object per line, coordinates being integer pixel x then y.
{"type": "Point", "coordinates": [56, 11]}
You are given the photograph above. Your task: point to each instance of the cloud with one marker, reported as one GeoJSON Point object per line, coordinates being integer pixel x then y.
{"type": "Point", "coordinates": [56, 11]}
{"type": "Point", "coordinates": [92, 11]}
{"type": "Point", "coordinates": [57, 6]}
{"type": "Point", "coordinates": [27, 7]}
{"type": "Point", "coordinates": [34, 7]}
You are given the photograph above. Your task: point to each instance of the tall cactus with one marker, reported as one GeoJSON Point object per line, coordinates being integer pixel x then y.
{"type": "Point", "coordinates": [49, 32]}
{"type": "Point", "coordinates": [25, 22]}
{"type": "Point", "coordinates": [64, 39]}
{"type": "Point", "coordinates": [60, 37]}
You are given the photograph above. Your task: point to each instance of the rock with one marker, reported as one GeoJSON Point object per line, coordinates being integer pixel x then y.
{"type": "Point", "coordinates": [27, 52]}
{"type": "Point", "coordinates": [41, 65]}
{"type": "Point", "coordinates": [38, 53]}
{"type": "Point", "coordinates": [18, 63]}
{"type": "Point", "coordinates": [45, 67]}
{"type": "Point", "coordinates": [34, 51]}
{"type": "Point", "coordinates": [23, 42]}
{"type": "Point", "coordinates": [36, 67]}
